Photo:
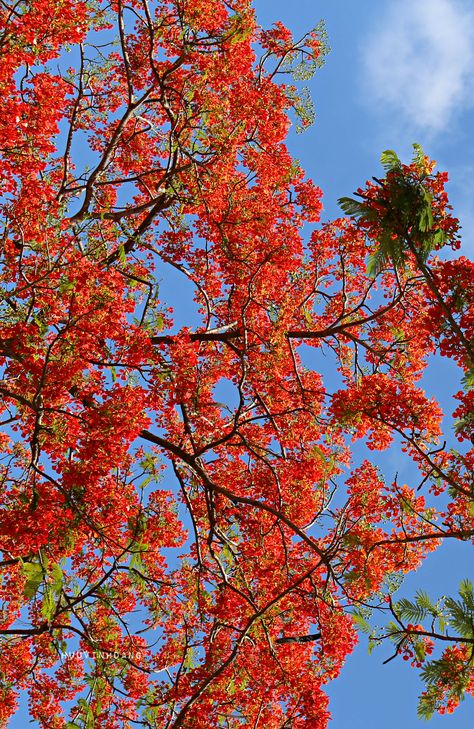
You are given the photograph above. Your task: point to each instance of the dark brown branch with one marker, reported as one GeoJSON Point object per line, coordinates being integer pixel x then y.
{"type": "Point", "coordinates": [299, 638]}
{"type": "Point", "coordinates": [193, 463]}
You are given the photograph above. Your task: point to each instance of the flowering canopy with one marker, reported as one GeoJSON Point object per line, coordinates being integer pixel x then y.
{"type": "Point", "coordinates": [186, 535]}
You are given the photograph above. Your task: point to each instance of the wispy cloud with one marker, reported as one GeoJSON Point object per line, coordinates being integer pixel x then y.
{"type": "Point", "coordinates": [419, 62]}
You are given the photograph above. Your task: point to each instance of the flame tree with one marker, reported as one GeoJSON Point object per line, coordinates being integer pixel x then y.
{"type": "Point", "coordinates": [188, 538]}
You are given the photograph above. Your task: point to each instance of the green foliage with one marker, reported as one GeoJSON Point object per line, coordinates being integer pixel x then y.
{"type": "Point", "coordinates": [87, 714]}
{"type": "Point", "coordinates": [439, 673]}
{"type": "Point", "coordinates": [52, 591]}
{"type": "Point", "coordinates": [34, 574]}
{"type": "Point", "coordinates": [460, 613]}
{"type": "Point", "coordinates": [299, 64]}
{"type": "Point", "coordinates": [356, 209]}
{"type": "Point", "coordinates": [418, 156]}
{"type": "Point", "coordinates": [390, 160]}
{"type": "Point", "coordinates": [468, 379]}
{"type": "Point", "coordinates": [48, 607]}
{"type": "Point", "coordinates": [401, 212]}
{"type": "Point", "coordinates": [302, 66]}
{"type": "Point", "coordinates": [304, 108]}
{"type": "Point", "coordinates": [447, 677]}
{"type": "Point", "coordinates": [417, 611]}
{"type": "Point", "coordinates": [361, 622]}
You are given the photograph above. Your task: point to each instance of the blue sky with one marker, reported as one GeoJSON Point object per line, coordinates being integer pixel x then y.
{"type": "Point", "coordinates": [400, 71]}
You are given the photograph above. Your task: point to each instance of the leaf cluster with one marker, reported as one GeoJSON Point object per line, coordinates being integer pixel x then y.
{"type": "Point", "coordinates": [401, 211]}
{"type": "Point", "coordinates": [458, 614]}
{"type": "Point", "coordinates": [453, 619]}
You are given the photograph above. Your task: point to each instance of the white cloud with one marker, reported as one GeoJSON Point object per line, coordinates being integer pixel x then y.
{"type": "Point", "coordinates": [419, 62]}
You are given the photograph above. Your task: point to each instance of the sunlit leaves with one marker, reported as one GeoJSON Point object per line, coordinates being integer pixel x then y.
{"type": "Point", "coordinates": [400, 208]}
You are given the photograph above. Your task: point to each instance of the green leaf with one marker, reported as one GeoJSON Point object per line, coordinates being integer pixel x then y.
{"type": "Point", "coordinates": [352, 207]}
{"type": "Point", "coordinates": [424, 602]}
{"type": "Point", "coordinates": [189, 660]}
{"type": "Point", "coordinates": [65, 286]}
{"type": "Point", "coordinates": [426, 221]}
{"type": "Point", "coordinates": [34, 577]}
{"type": "Point", "coordinates": [351, 540]}
{"type": "Point", "coordinates": [418, 155]}
{"type": "Point", "coordinates": [468, 379]}
{"type": "Point", "coordinates": [420, 651]}
{"type": "Point", "coordinates": [440, 237]}
{"type": "Point", "coordinates": [426, 706]}
{"type": "Point", "coordinates": [413, 612]}
{"type": "Point", "coordinates": [57, 577]}
{"type": "Point", "coordinates": [466, 591]}
{"type": "Point", "coordinates": [48, 607]}
{"type": "Point", "coordinates": [40, 323]}
{"type": "Point", "coordinates": [389, 160]}
{"type": "Point", "coordinates": [461, 617]}
{"type": "Point", "coordinates": [374, 264]}
{"type": "Point", "coordinates": [88, 714]}
{"type": "Point", "coordinates": [362, 623]}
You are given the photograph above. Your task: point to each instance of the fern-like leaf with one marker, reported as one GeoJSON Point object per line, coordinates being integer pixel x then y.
{"type": "Point", "coordinates": [411, 611]}
{"type": "Point", "coordinates": [390, 160]}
